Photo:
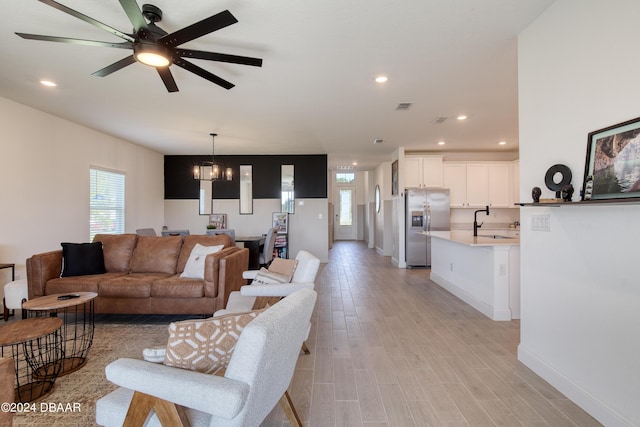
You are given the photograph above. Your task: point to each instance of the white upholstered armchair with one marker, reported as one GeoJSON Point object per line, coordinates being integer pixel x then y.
{"type": "Point", "coordinates": [304, 277]}
{"type": "Point", "coordinates": [256, 378]}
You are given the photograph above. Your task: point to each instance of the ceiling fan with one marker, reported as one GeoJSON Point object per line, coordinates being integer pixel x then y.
{"type": "Point", "coordinates": [153, 46]}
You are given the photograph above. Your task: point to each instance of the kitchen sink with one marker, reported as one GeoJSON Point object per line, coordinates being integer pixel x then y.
{"type": "Point", "coordinates": [496, 236]}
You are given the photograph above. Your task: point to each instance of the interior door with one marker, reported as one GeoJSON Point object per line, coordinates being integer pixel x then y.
{"type": "Point", "coordinates": [344, 217]}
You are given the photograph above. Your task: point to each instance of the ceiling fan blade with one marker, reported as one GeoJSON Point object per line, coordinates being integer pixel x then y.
{"type": "Point", "coordinates": [199, 29]}
{"type": "Point", "coordinates": [87, 19]}
{"type": "Point", "coordinates": [203, 73]}
{"type": "Point", "coordinates": [220, 57]}
{"type": "Point", "coordinates": [123, 45]}
{"type": "Point", "coordinates": [115, 66]}
{"type": "Point", "coordinates": [135, 15]}
{"type": "Point", "coordinates": [167, 78]}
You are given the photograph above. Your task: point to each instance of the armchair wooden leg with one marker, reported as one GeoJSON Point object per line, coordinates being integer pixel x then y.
{"type": "Point", "coordinates": [305, 348]}
{"type": "Point", "coordinates": [287, 406]}
{"type": "Point", "coordinates": [167, 412]}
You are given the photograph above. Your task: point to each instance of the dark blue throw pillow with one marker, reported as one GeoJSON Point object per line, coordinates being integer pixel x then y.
{"type": "Point", "coordinates": [80, 259]}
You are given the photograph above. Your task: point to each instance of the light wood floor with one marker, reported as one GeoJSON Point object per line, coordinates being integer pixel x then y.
{"type": "Point", "coordinates": [391, 348]}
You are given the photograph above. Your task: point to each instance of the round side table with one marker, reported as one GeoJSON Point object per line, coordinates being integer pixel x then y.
{"type": "Point", "coordinates": [77, 328]}
{"type": "Point", "coordinates": [36, 348]}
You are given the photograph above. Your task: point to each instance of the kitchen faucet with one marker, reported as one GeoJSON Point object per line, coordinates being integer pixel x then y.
{"type": "Point", "coordinates": [475, 220]}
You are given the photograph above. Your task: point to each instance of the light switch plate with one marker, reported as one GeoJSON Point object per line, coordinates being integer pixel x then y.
{"type": "Point", "coordinates": [540, 222]}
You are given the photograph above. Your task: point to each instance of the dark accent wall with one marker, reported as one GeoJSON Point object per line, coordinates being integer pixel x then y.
{"type": "Point", "coordinates": [310, 176]}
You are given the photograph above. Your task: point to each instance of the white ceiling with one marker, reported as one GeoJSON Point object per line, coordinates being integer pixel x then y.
{"type": "Point", "coordinates": [315, 93]}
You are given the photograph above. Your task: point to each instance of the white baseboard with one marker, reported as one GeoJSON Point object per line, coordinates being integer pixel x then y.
{"type": "Point", "coordinates": [474, 302]}
{"type": "Point", "coordinates": [581, 397]}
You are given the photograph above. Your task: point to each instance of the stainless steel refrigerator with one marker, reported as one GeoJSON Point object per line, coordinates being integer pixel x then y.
{"type": "Point", "coordinates": [426, 209]}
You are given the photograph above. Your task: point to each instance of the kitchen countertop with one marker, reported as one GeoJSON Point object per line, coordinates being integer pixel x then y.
{"type": "Point", "coordinates": [466, 237]}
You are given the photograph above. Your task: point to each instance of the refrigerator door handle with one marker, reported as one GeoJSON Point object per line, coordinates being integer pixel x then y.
{"type": "Point", "coordinates": [427, 217]}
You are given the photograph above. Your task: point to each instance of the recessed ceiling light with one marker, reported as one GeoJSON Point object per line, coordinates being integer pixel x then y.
{"type": "Point", "coordinates": [441, 142]}
{"type": "Point", "coordinates": [355, 163]}
{"type": "Point", "coordinates": [502, 143]}
{"type": "Point", "coordinates": [48, 83]}
{"type": "Point", "coordinates": [462, 117]}
{"type": "Point", "coordinates": [381, 79]}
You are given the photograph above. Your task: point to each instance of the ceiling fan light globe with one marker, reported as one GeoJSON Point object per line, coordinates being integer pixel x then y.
{"type": "Point", "coordinates": [152, 59]}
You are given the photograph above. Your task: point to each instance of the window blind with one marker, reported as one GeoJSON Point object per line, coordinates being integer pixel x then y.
{"type": "Point", "coordinates": [106, 202]}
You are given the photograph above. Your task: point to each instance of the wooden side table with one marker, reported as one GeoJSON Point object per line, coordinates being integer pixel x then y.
{"type": "Point", "coordinates": [78, 325]}
{"type": "Point", "coordinates": [36, 347]}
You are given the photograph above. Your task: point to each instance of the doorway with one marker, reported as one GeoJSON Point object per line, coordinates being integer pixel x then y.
{"type": "Point", "coordinates": [344, 226]}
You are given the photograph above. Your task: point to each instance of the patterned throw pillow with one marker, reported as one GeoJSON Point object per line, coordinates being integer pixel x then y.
{"type": "Point", "coordinates": [266, 277]}
{"type": "Point", "coordinates": [205, 345]}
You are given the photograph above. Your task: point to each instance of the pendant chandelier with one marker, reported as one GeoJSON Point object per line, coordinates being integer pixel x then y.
{"type": "Point", "coordinates": [211, 171]}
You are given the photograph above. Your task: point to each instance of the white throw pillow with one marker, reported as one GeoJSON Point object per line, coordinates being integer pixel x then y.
{"type": "Point", "coordinates": [195, 264]}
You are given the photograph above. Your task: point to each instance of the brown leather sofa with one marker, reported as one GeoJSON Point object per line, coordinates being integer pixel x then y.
{"type": "Point", "coordinates": [143, 275]}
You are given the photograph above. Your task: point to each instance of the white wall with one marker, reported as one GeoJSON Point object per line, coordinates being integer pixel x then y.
{"type": "Point", "coordinates": [44, 181]}
{"type": "Point", "coordinates": [308, 226]}
{"type": "Point", "coordinates": [578, 72]}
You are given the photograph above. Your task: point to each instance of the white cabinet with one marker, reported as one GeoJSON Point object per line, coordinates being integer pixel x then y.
{"type": "Point", "coordinates": [423, 171]}
{"type": "Point", "coordinates": [455, 179]}
{"type": "Point", "coordinates": [477, 184]}
{"type": "Point", "coordinates": [474, 184]}
{"type": "Point", "coordinates": [499, 185]}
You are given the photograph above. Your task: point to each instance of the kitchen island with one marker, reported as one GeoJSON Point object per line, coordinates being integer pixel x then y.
{"type": "Point", "coordinates": [483, 271]}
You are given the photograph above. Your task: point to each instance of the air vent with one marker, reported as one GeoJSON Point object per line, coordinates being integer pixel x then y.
{"type": "Point", "coordinates": [378, 141]}
{"type": "Point", "coordinates": [441, 119]}
{"type": "Point", "coordinates": [345, 168]}
{"type": "Point", "coordinates": [404, 106]}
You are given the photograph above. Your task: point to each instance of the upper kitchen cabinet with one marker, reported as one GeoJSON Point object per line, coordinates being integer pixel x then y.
{"type": "Point", "coordinates": [423, 171]}
{"type": "Point", "coordinates": [474, 184]}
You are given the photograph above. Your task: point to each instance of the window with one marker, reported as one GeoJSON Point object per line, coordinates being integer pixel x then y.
{"type": "Point", "coordinates": [106, 202]}
{"type": "Point", "coordinates": [345, 177]}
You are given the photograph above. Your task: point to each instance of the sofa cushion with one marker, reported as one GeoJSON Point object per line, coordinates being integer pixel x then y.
{"type": "Point", "coordinates": [66, 285]}
{"type": "Point", "coordinates": [79, 259]}
{"type": "Point", "coordinates": [154, 254]}
{"type": "Point", "coordinates": [117, 249]}
{"type": "Point", "coordinates": [188, 242]}
{"type": "Point", "coordinates": [132, 285]}
{"type": "Point", "coordinates": [205, 345]}
{"type": "Point", "coordinates": [195, 264]}
{"type": "Point", "coordinates": [177, 287]}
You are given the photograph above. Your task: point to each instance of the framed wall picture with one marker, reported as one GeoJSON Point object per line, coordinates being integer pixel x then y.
{"type": "Point", "coordinates": [281, 222]}
{"type": "Point", "coordinates": [394, 178]}
{"type": "Point", "coordinates": [218, 220]}
{"type": "Point", "coordinates": [612, 168]}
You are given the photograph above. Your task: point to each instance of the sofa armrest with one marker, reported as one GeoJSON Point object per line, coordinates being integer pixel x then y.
{"type": "Point", "coordinates": [40, 269]}
{"type": "Point", "coordinates": [212, 394]}
{"type": "Point", "coordinates": [212, 270]}
{"type": "Point", "coordinates": [274, 289]}
{"type": "Point", "coordinates": [231, 268]}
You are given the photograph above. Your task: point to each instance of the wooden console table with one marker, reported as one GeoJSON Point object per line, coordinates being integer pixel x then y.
{"type": "Point", "coordinates": [253, 243]}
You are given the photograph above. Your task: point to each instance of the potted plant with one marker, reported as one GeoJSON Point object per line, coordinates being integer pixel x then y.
{"type": "Point", "coordinates": [211, 227]}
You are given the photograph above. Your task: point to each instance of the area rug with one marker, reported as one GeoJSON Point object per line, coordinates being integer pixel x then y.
{"type": "Point", "coordinates": [72, 403]}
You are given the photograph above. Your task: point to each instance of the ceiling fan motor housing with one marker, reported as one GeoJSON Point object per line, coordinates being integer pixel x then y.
{"type": "Point", "coordinates": [152, 13]}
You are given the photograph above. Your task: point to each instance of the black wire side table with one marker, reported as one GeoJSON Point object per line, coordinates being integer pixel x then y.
{"type": "Point", "coordinates": [77, 313]}
{"type": "Point", "coordinates": [36, 348]}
